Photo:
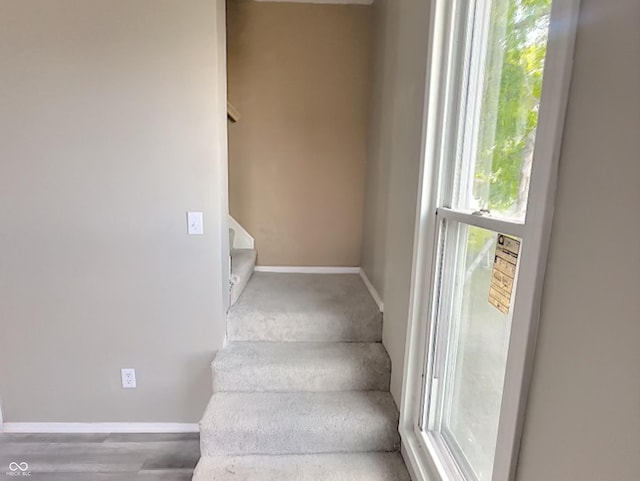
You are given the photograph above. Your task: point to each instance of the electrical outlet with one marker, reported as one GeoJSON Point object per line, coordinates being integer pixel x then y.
{"type": "Point", "coordinates": [128, 378]}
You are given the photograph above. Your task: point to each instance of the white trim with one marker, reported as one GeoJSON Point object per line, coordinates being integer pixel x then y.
{"type": "Point", "coordinates": [513, 228]}
{"type": "Point", "coordinates": [241, 239]}
{"type": "Point", "coordinates": [308, 270]}
{"type": "Point", "coordinates": [422, 264]}
{"type": "Point", "coordinates": [412, 459]}
{"type": "Point", "coordinates": [323, 2]}
{"type": "Point", "coordinates": [372, 290]}
{"type": "Point", "coordinates": [62, 428]}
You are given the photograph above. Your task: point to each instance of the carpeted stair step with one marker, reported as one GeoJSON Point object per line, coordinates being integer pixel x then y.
{"type": "Point", "coordinates": [243, 262]}
{"type": "Point", "coordinates": [311, 467]}
{"type": "Point", "coordinates": [301, 366]}
{"type": "Point", "coordinates": [299, 423]}
{"type": "Point", "coordinates": [305, 308]}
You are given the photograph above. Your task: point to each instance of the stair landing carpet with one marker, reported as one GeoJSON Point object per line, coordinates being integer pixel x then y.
{"type": "Point", "coordinates": [301, 393]}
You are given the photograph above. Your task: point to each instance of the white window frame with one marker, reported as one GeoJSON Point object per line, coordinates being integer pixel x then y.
{"type": "Point", "coordinates": [417, 449]}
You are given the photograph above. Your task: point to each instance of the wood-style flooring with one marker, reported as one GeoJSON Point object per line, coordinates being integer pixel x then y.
{"type": "Point", "coordinates": [99, 457]}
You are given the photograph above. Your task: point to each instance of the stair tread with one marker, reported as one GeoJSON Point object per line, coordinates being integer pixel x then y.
{"type": "Point", "coordinates": [310, 467]}
{"type": "Point", "coordinates": [289, 366]}
{"type": "Point", "coordinates": [305, 307]}
{"type": "Point", "coordinates": [299, 422]}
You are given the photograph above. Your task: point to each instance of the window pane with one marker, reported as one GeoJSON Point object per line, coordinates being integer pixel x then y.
{"type": "Point", "coordinates": [476, 354]}
{"type": "Point", "coordinates": [505, 69]}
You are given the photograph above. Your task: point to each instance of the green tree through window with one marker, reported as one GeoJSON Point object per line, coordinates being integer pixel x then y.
{"type": "Point", "coordinates": [511, 98]}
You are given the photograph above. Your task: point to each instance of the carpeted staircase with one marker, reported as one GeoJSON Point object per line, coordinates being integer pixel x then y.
{"type": "Point", "coordinates": [301, 391]}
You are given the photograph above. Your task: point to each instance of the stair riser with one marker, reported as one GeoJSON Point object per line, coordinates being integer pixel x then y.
{"type": "Point", "coordinates": [299, 423]}
{"type": "Point", "coordinates": [325, 467]}
{"type": "Point", "coordinates": [363, 438]}
{"type": "Point", "coordinates": [294, 367]}
{"type": "Point", "coordinates": [346, 378]}
{"type": "Point", "coordinates": [281, 328]}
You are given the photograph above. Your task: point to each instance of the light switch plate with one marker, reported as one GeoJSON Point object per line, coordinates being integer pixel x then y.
{"type": "Point", "coordinates": [195, 223]}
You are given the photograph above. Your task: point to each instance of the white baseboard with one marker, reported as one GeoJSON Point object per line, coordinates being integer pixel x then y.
{"type": "Point", "coordinates": [63, 428]}
{"type": "Point", "coordinates": [308, 270]}
{"type": "Point", "coordinates": [372, 290]}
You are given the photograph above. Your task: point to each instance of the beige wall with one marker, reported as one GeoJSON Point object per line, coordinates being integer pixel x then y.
{"type": "Point", "coordinates": [583, 419]}
{"type": "Point", "coordinates": [299, 74]}
{"type": "Point", "coordinates": [108, 113]}
{"type": "Point", "coordinates": [393, 165]}
{"type": "Point", "coordinates": [376, 193]}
